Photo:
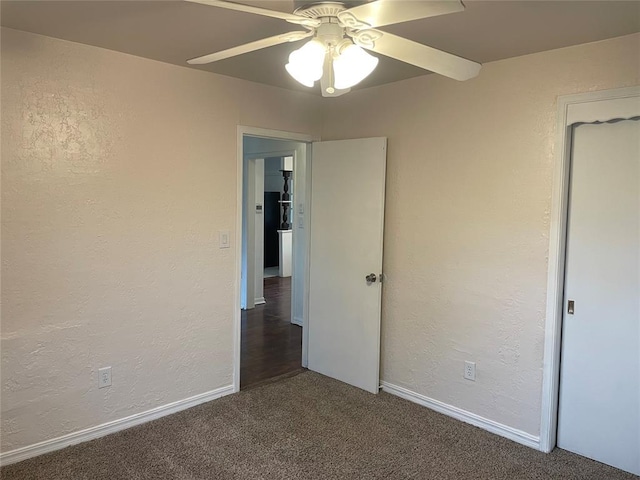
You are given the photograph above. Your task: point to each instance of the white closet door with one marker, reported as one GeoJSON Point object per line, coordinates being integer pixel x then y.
{"type": "Point", "coordinates": [599, 410]}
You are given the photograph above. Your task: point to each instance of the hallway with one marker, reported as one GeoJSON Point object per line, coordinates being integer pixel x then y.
{"type": "Point", "coordinates": [271, 344]}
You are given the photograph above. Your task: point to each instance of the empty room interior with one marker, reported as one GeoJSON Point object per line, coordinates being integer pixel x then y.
{"type": "Point", "coordinates": [296, 239]}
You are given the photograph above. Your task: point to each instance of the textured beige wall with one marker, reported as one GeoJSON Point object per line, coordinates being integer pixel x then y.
{"type": "Point", "coordinates": [117, 173]}
{"type": "Point", "coordinates": [467, 220]}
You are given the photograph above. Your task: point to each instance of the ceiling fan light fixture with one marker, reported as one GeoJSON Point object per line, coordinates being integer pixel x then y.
{"type": "Point", "coordinates": [352, 66]}
{"type": "Point", "coordinates": [341, 31]}
{"type": "Point", "coordinates": [305, 64]}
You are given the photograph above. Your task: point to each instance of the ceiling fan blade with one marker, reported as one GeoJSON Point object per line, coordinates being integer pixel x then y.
{"type": "Point", "coordinates": [419, 55]}
{"type": "Point", "coordinates": [388, 12]}
{"type": "Point", "coordinates": [308, 22]}
{"type": "Point", "coordinates": [250, 47]}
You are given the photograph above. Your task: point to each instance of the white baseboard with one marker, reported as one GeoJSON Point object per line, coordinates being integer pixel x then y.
{"type": "Point", "coordinates": [260, 301]}
{"type": "Point", "coordinates": [98, 431]}
{"type": "Point", "coordinates": [297, 321]}
{"type": "Point", "coordinates": [459, 414]}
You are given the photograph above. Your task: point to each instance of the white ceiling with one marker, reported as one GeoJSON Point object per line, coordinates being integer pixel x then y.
{"type": "Point", "coordinates": [173, 31]}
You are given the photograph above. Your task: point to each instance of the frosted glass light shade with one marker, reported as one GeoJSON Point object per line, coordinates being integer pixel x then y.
{"type": "Point", "coordinates": [352, 66]}
{"type": "Point", "coordinates": [305, 64]}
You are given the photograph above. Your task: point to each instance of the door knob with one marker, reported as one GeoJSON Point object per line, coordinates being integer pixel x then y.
{"type": "Point", "coordinates": [371, 278]}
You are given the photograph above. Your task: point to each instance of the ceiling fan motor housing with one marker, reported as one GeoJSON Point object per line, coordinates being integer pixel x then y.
{"type": "Point", "coordinates": [330, 33]}
{"type": "Point", "coordinates": [305, 8]}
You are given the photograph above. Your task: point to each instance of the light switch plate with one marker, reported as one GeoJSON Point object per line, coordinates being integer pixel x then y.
{"type": "Point", "coordinates": [223, 239]}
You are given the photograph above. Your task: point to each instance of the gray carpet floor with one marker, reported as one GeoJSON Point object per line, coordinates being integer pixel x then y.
{"type": "Point", "coordinates": [307, 427]}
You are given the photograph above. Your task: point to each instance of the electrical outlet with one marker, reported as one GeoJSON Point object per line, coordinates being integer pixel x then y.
{"type": "Point", "coordinates": [104, 377]}
{"type": "Point", "coordinates": [470, 371]}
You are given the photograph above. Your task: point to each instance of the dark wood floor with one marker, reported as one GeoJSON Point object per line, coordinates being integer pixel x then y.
{"type": "Point", "coordinates": [271, 344]}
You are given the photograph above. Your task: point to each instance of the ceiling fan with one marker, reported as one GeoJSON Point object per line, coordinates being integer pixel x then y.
{"type": "Point", "coordinates": [336, 54]}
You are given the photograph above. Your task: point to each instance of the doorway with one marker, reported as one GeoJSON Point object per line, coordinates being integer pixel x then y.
{"type": "Point", "coordinates": [340, 314]}
{"type": "Point", "coordinates": [278, 232]}
{"type": "Point", "coordinates": [273, 257]}
{"type": "Point", "coordinates": [605, 109]}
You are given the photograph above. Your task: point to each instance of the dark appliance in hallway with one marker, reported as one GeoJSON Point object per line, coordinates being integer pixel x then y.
{"type": "Point", "coordinates": [271, 223]}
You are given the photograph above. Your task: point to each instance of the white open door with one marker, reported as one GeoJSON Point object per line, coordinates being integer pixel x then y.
{"type": "Point", "coordinates": [347, 225]}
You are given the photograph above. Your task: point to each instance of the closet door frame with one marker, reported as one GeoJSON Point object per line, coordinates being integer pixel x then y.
{"type": "Point", "coordinates": [599, 106]}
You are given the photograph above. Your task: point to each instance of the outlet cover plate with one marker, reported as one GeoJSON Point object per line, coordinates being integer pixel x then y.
{"type": "Point", "coordinates": [470, 371]}
{"type": "Point", "coordinates": [104, 377]}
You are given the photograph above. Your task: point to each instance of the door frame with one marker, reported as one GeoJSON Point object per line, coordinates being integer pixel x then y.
{"type": "Point", "coordinates": [237, 317]}
{"type": "Point", "coordinates": [598, 106]}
